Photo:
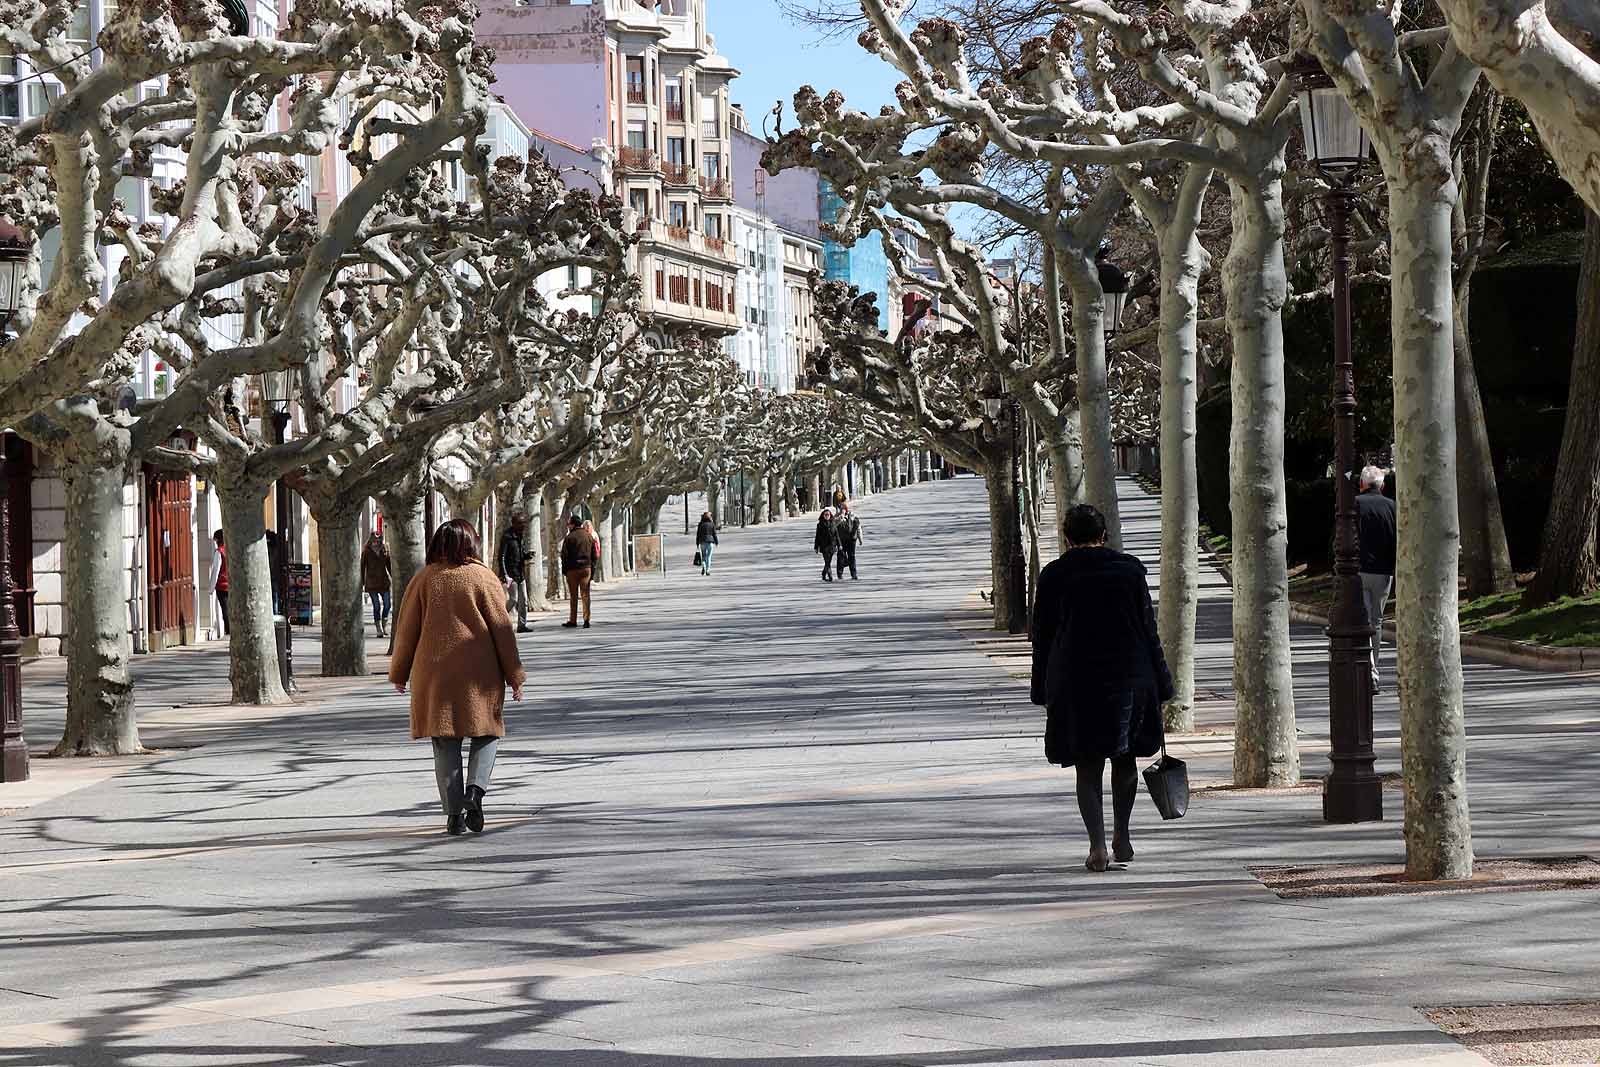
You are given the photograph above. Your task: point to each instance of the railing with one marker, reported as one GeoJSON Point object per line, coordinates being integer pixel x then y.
{"type": "Point", "coordinates": [675, 111]}
{"type": "Point", "coordinates": [709, 128]}
{"type": "Point", "coordinates": [677, 173]}
{"type": "Point", "coordinates": [636, 159]}
{"type": "Point", "coordinates": [636, 94]}
{"type": "Point", "coordinates": [717, 188]}
{"type": "Point", "coordinates": [679, 233]}
{"type": "Point", "coordinates": [715, 243]}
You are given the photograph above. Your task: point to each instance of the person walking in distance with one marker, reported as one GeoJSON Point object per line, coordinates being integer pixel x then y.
{"type": "Point", "coordinates": [455, 649]}
{"type": "Point", "coordinates": [219, 580]}
{"type": "Point", "coordinates": [376, 579]}
{"type": "Point", "coordinates": [849, 528]}
{"type": "Point", "coordinates": [1377, 533]}
{"type": "Point", "coordinates": [826, 542]}
{"type": "Point", "coordinates": [580, 552]}
{"type": "Point", "coordinates": [600, 570]}
{"type": "Point", "coordinates": [705, 539]}
{"type": "Point", "coordinates": [1099, 673]}
{"type": "Point", "coordinates": [513, 567]}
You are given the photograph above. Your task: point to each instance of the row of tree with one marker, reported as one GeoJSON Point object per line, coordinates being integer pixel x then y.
{"type": "Point", "coordinates": [1167, 129]}
{"type": "Point", "coordinates": [402, 341]}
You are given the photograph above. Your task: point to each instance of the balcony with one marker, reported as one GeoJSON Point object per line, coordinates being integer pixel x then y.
{"type": "Point", "coordinates": [678, 174]}
{"type": "Point", "coordinates": [712, 248]}
{"type": "Point", "coordinates": [717, 188]}
{"type": "Point", "coordinates": [636, 94]}
{"type": "Point", "coordinates": [709, 130]}
{"type": "Point", "coordinates": [636, 160]}
{"type": "Point", "coordinates": [716, 244]}
{"type": "Point", "coordinates": [674, 110]}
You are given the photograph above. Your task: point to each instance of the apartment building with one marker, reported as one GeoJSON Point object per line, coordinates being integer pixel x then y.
{"type": "Point", "coordinates": [642, 80]}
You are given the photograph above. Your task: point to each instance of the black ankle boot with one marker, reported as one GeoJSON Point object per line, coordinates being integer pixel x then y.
{"type": "Point", "coordinates": [472, 810]}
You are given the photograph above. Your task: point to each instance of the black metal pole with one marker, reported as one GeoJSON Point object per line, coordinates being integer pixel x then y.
{"type": "Point", "coordinates": [741, 498]}
{"type": "Point", "coordinates": [1018, 571]}
{"type": "Point", "coordinates": [1353, 792]}
{"type": "Point", "coordinates": [13, 748]}
{"type": "Point", "coordinates": [686, 511]}
{"type": "Point", "coordinates": [280, 432]}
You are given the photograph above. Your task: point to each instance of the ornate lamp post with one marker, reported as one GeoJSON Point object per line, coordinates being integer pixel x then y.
{"type": "Point", "coordinates": [276, 395]}
{"type": "Point", "coordinates": [14, 251]}
{"type": "Point", "coordinates": [1337, 146]}
{"type": "Point", "coordinates": [1114, 283]}
{"type": "Point", "coordinates": [995, 404]}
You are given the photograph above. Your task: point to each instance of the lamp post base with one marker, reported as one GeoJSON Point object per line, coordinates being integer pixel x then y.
{"type": "Point", "coordinates": [1352, 798]}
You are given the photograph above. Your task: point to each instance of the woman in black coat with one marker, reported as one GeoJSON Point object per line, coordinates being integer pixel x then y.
{"type": "Point", "coordinates": [826, 542]}
{"type": "Point", "coordinates": [705, 537]}
{"type": "Point", "coordinates": [1099, 672]}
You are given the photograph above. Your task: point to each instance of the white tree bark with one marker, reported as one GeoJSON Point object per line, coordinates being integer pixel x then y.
{"type": "Point", "coordinates": [101, 718]}
{"type": "Point", "coordinates": [1266, 750]}
{"type": "Point", "coordinates": [1094, 394]}
{"type": "Point", "coordinates": [252, 641]}
{"type": "Point", "coordinates": [344, 636]}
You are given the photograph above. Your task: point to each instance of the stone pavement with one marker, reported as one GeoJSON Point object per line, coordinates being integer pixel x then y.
{"type": "Point", "coordinates": [747, 819]}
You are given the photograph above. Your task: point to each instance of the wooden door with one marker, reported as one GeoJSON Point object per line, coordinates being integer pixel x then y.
{"type": "Point", "coordinates": [169, 514]}
{"type": "Point", "coordinates": [19, 498]}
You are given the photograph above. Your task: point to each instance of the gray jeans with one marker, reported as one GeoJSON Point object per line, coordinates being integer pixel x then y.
{"type": "Point", "coordinates": [1375, 592]}
{"type": "Point", "coordinates": [447, 768]}
{"type": "Point", "coordinates": [517, 600]}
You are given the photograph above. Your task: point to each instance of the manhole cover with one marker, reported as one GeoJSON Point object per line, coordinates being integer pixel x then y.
{"type": "Point", "coordinates": [1524, 1033]}
{"type": "Point", "coordinates": [1488, 876]}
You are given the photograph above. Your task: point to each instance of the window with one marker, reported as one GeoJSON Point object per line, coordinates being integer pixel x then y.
{"type": "Point", "coordinates": [636, 94]}
{"type": "Point", "coordinates": [714, 226]}
{"type": "Point", "coordinates": [661, 281]}
{"type": "Point", "coordinates": [636, 136]}
{"type": "Point", "coordinates": [10, 98]}
{"type": "Point", "coordinates": [572, 276]}
{"type": "Point", "coordinates": [639, 200]}
{"type": "Point", "coordinates": [674, 102]}
{"type": "Point", "coordinates": [711, 165]}
{"type": "Point", "coordinates": [679, 214]}
{"type": "Point", "coordinates": [678, 288]}
{"type": "Point", "coordinates": [675, 151]}
{"type": "Point", "coordinates": [697, 302]}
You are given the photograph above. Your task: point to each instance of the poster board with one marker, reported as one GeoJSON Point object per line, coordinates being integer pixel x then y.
{"type": "Point", "coordinates": [300, 594]}
{"type": "Point", "coordinates": [649, 554]}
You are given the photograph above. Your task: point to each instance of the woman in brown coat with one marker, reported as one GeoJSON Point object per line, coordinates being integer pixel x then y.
{"type": "Point", "coordinates": [459, 672]}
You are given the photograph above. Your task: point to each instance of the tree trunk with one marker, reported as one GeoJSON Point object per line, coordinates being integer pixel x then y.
{"type": "Point", "coordinates": [1432, 730]}
{"type": "Point", "coordinates": [344, 632]}
{"type": "Point", "coordinates": [1181, 260]}
{"type": "Point", "coordinates": [1094, 395]}
{"type": "Point", "coordinates": [619, 541]}
{"type": "Point", "coordinates": [554, 588]}
{"type": "Point", "coordinates": [101, 719]}
{"type": "Point", "coordinates": [1066, 476]}
{"type": "Point", "coordinates": [403, 509]}
{"type": "Point", "coordinates": [1266, 751]}
{"type": "Point", "coordinates": [252, 640]}
{"type": "Point", "coordinates": [1485, 555]}
{"type": "Point", "coordinates": [814, 488]}
{"type": "Point", "coordinates": [997, 481]}
{"type": "Point", "coordinates": [533, 507]}
{"type": "Point", "coordinates": [1568, 564]}
{"type": "Point", "coordinates": [758, 499]}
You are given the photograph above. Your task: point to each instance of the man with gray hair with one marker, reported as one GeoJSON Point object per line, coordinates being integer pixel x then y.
{"type": "Point", "coordinates": [1377, 531]}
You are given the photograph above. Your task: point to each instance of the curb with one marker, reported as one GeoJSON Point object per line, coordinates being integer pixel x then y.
{"type": "Point", "coordinates": [1490, 649]}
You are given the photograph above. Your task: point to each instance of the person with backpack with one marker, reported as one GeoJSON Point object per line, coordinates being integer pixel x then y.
{"type": "Point", "coordinates": [376, 579]}
{"type": "Point", "coordinates": [1099, 672]}
{"type": "Point", "coordinates": [849, 528]}
{"type": "Point", "coordinates": [705, 538]}
{"type": "Point", "coordinates": [826, 542]}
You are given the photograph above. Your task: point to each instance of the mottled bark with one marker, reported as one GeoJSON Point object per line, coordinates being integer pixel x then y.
{"type": "Point", "coordinates": [554, 588]}
{"type": "Point", "coordinates": [1094, 394]}
{"type": "Point", "coordinates": [344, 637]}
{"type": "Point", "coordinates": [533, 507]}
{"type": "Point", "coordinates": [1266, 751]}
{"type": "Point", "coordinates": [252, 641]}
{"type": "Point", "coordinates": [758, 499]}
{"type": "Point", "coordinates": [1568, 564]}
{"type": "Point", "coordinates": [1000, 489]}
{"type": "Point", "coordinates": [1432, 727]}
{"type": "Point", "coordinates": [101, 718]}
{"type": "Point", "coordinates": [404, 511]}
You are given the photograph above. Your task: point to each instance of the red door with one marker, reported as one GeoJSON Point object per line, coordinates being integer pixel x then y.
{"type": "Point", "coordinates": [169, 511]}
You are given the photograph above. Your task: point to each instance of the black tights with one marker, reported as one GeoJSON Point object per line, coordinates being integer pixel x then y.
{"type": "Point", "coordinates": [1091, 805]}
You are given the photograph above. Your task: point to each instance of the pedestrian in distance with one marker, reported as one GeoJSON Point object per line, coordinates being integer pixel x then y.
{"type": "Point", "coordinates": [513, 567]}
{"type": "Point", "coordinates": [849, 528]}
{"type": "Point", "coordinates": [218, 580]}
{"type": "Point", "coordinates": [455, 649]}
{"type": "Point", "coordinates": [826, 542]}
{"type": "Point", "coordinates": [1099, 672]}
{"type": "Point", "coordinates": [580, 554]}
{"type": "Point", "coordinates": [839, 499]}
{"type": "Point", "coordinates": [588, 528]}
{"type": "Point", "coordinates": [376, 579]}
{"type": "Point", "coordinates": [705, 539]}
{"type": "Point", "coordinates": [1377, 533]}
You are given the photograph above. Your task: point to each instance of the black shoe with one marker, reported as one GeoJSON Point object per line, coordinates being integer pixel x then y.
{"type": "Point", "coordinates": [569, 626]}
{"type": "Point", "coordinates": [472, 811]}
{"type": "Point", "coordinates": [524, 629]}
{"type": "Point", "coordinates": [453, 825]}
{"type": "Point", "coordinates": [585, 624]}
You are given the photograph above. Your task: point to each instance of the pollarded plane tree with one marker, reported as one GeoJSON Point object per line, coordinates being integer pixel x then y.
{"type": "Point", "coordinates": [231, 234]}
{"type": "Point", "coordinates": [1410, 91]}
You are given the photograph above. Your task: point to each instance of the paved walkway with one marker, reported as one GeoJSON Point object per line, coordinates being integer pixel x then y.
{"type": "Point", "coordinates": [754, 819]}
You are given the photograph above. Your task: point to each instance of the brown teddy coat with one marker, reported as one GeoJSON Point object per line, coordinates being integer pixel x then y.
{"type": "Point", "coordinates": [459, 672]}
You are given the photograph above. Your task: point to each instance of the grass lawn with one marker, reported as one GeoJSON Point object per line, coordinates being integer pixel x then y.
{"type": "Point", "coordinates": [1572, 622]}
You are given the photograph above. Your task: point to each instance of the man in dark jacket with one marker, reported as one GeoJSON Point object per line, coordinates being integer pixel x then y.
{"type": "Point", "coordinates": [1099, 672]}
{"type": "Point", "coordinates": [849, 536]}
{"type": "Point", "coordinates": [579, 555]}
{"type": "Point", "coordinates": [513, 568]}
{"type": "Point", "coordinates": [826, 542]}
{"type": "Point", "coordinates": [1377, 531]}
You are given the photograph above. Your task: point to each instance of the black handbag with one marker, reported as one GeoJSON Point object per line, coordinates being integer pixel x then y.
{"type": "Point", "coordinates": [1168, 781]}
{"type": "Point", "coordinates": [697, 558]}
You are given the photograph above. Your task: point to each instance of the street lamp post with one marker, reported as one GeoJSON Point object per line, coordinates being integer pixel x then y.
{"type": "Point", "coordinates": [14, 253]}
{"type": "Point", "coordinates": [1337, 146]}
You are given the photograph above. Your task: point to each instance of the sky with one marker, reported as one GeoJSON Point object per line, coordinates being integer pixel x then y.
{"type": "Point", "coordinates": [775, 57]}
